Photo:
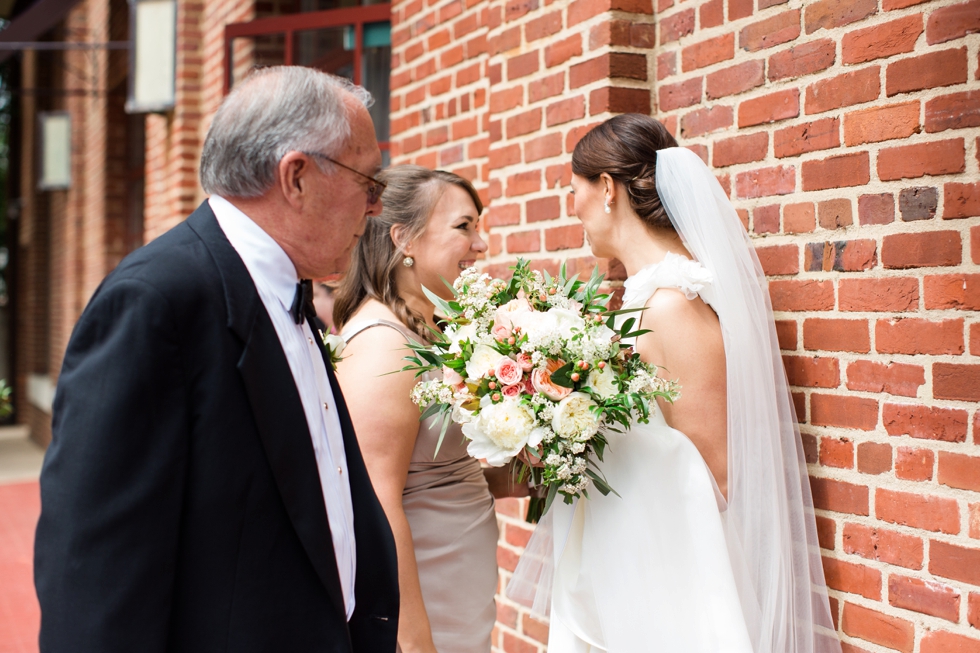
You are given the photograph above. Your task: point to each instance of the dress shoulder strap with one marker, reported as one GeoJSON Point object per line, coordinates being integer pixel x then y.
{"type": "Point", "coordinates": [352, 330]}
{"type": "Point", "coordinates": [674, 271]}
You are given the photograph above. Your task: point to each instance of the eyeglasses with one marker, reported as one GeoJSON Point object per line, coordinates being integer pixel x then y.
{"type": "Point", "coordinates": [374, 190]}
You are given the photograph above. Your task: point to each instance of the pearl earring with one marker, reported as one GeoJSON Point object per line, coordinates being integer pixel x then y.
{"type": "Point", "coordinates": [408, 261]}
{"type": "Point", "coordinates": [608, 210]}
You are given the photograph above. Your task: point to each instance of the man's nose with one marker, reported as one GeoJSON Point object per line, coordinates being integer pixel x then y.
{"type": "Point", "coordinates": [374, 209]}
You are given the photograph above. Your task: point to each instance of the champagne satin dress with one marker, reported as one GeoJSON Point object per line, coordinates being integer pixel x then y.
{"type": "Point", "coordinates": [454, 529]}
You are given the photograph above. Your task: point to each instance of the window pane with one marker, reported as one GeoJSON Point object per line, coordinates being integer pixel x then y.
{"type": "Point", "coordinates": [251, 52]}
{"type": "Point", "coordinates": [330, 49]}
{"type": "Point", "coordinates": [265, 8]}
{"type": "Point", "coordinates": [376, 73]}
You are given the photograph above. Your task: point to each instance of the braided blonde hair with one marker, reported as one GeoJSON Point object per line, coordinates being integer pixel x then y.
{"type": "Point", "coordinates": [410, 198]}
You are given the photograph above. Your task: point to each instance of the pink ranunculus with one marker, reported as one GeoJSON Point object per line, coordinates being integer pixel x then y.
{"type": "Point", "coordinates": [451, 376]}
{"type": "Point", "coordinates": [508, 372]}
{"type": "Point", "coordinates": [528, 386]}
{"type": "Point", "coordinates": [513, 390]}
{"type": "Point", "coordinates": [524, 360]}
{"type": "Point", "coordinates": [541, 380]}
{"type": "Point", "coordinates": [500, 332]}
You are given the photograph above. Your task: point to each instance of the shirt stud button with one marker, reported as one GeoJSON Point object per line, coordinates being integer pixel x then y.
{"type": "Point", "coordinates": [311, 340]}
{"type": "Point", "coordinates": [326, 406]}
{"type": "Point", "coordinates": [340, 471]}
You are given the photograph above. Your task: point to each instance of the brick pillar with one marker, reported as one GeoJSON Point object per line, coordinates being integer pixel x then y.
{"type": "Point", "coordinates": [173, 139]}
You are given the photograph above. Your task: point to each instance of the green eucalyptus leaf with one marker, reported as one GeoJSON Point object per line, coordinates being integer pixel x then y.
{"type": "Point", "coordinates": [446, 419]}
{"type": "Point", "coordinates": [552, 493]}
{"type": "Point", "coordinates": [439, 302]}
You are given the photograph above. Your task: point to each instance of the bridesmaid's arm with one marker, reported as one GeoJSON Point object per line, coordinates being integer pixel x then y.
{"type": "Point", "coordinates": [503, 483]}
{"type": "Point", "coordinates": [387, 424]}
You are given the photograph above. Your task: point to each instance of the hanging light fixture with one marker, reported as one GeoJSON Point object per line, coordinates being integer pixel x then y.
{"type": "Point", "coordinates": [54, 128]}
{"type": "Point", "coordinates": [153, 30]}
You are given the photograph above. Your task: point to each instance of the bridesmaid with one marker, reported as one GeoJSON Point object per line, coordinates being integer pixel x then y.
{"type": "Point", "coordinates": [440, 506]}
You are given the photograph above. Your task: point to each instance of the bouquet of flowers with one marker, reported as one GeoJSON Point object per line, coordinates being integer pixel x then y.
{"type": "Point", "coordinates": [537, 364]}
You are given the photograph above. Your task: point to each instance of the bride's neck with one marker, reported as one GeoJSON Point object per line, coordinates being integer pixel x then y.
{"type": "Point", "coordinates": [640, 245]}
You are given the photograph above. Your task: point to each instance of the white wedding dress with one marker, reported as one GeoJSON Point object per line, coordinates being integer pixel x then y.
{"type": "Point", "coordinates": [650, 569]}
{"type": "Point", "coordinates": [668, 566]}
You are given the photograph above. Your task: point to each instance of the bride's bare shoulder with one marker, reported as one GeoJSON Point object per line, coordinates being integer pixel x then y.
{"type": "Point", "coordinates": [671, 306]}
{"type": "Point", "coordinates": [674, 319]}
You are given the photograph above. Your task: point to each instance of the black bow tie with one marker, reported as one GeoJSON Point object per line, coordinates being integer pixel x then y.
{"type": "Point", "coordinates": [303, 301]}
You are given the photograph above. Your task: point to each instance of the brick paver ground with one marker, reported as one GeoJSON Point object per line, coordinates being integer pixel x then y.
{"type": "Point", "coordinates": [20, 615]}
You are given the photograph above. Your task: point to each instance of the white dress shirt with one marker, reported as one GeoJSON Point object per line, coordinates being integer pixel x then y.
{"type": "Point", "coordinates": [275, 280]}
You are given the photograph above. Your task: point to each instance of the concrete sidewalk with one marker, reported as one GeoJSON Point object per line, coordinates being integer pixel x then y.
{"type": "Point", "coordinates": [20, 457]}
{"type": "Point", "coordinates": [20, 506]}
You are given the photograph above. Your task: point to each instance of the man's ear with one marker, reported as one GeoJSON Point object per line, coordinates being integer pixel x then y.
{"type": "Point", "coordinates": [293, 178]}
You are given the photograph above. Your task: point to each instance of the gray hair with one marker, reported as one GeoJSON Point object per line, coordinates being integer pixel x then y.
{"type": "Point", "coordinates": [275, 111]}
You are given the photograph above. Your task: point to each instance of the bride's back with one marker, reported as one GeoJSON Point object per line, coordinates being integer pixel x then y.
{"type": "Point", "coordinates": [685, 340]}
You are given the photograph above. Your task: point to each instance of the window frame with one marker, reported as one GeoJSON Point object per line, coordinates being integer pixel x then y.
{"type": "Point", "coordinates": [289, 24]}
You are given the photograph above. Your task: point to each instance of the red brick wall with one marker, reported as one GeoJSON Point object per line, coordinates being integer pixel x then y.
{"type": "Point", "coordinates": [846, 134]}
{"type": "Point", "coordinates": [440, 87]}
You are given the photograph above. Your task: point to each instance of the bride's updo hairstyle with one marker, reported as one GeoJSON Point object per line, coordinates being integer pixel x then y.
{"type": "Point", "coordinates": [625, 147]}
{"type": "Point", "coordinates": [409, 199]}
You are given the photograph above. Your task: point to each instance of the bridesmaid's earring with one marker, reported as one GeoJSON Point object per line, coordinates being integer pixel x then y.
{"type": "Point", "coordinates": [408, 261]}
{"type": "Point", "coordinates": [608, 210]}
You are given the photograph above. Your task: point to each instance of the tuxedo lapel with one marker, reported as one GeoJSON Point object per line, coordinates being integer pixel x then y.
{"type": "Point", "coordinates": [275, 404]}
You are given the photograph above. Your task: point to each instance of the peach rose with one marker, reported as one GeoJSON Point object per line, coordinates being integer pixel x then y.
{"type": "Point", "coordinates": [507, 371]}
{"type": "Point", "coordinates": [451, 376]}
{"type": "Point", "coordinates": [541, 380]}
{"type": "Point", "coordinates": [513, 390]}
{"type": "Point", "coordinates": [500, 332]}
{"type": "Point", "coordinates": [524, 360]}
{"type": "Point", "coordinates": [505, 314]}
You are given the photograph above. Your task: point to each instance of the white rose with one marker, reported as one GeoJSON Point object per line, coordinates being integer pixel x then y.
{"type": "Point", "coordinates": [500, 431]}
{"type": "Point", "coordinates": [482, 361]}
{"type": "Point", "coordinates": [602, 334]}
{"type": "Point", "coordinates": [335, 344]}
{"type": "Point", "coordinates": [465, 332]}
{"type": "Point", "coordinates": [573, 419]}
{"type": "Point", "coordinates": [461, 415]}
{"type": "Point", "coordinates": [528, 321]}
{"type": "Point", "coordinates": [566, 320]}
{"type": "Point", "coordinates": [544, 327]}
{"type": "Point", "coordinates": [603, 382]}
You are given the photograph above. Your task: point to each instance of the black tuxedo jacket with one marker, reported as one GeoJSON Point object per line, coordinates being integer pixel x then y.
{"type": "Point", "coordinates": [181, 504]}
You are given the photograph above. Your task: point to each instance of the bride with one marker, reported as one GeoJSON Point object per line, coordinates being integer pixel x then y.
{"type": "Point", "coordinates": [711, 545]}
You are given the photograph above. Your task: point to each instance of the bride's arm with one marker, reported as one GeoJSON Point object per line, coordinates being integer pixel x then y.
{"type": "Point", "coordinates": [686, 341]}
{"type": "Point", "coordinates": [387, 424]}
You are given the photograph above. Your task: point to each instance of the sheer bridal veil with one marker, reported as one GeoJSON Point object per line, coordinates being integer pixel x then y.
{"type": "Point", "coordinates": [770, 509]}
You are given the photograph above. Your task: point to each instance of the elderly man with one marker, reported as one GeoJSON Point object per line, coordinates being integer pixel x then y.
{"type": "Point", "coordinates": [204, 490]}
